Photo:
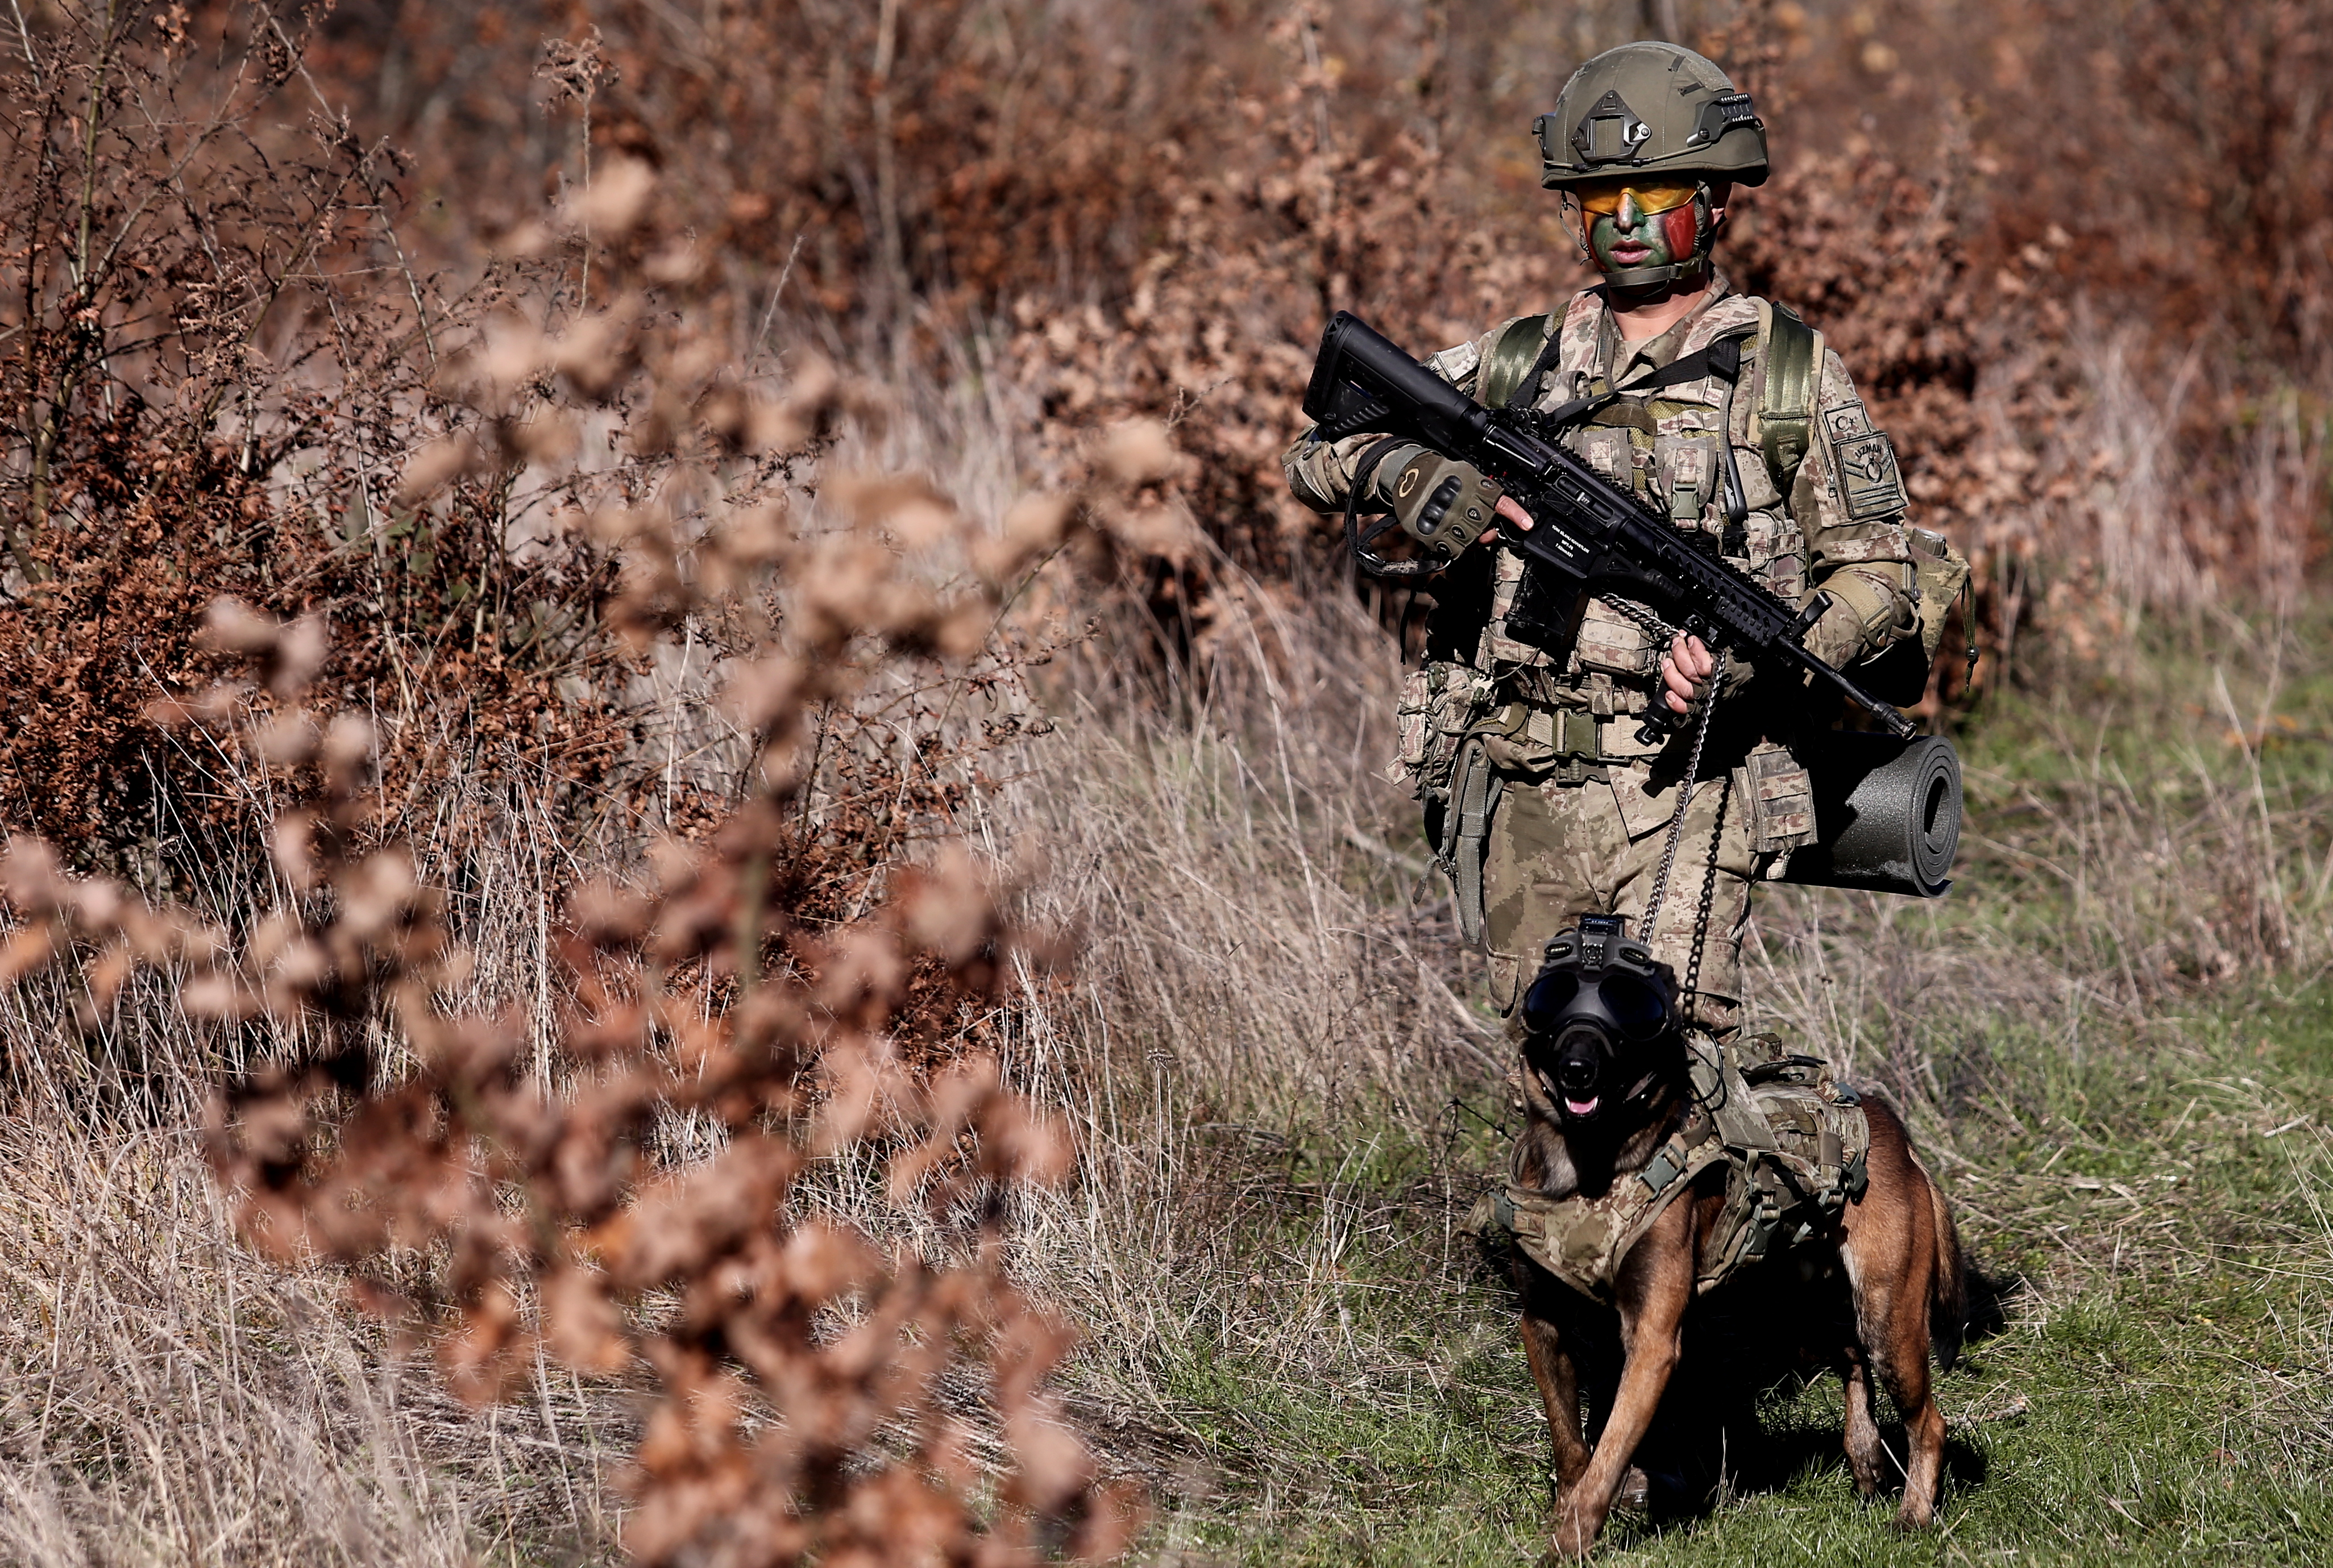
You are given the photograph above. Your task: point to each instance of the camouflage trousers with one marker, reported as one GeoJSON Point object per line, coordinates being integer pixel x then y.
{"type": "Point", "coordinates": [1556, 852]}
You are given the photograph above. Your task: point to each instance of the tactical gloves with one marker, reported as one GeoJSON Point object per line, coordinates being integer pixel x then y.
{"type": "Point", "coordinates": [1443, 504]}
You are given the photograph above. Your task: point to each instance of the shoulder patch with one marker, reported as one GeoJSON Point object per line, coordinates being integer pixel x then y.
{"type": "Point", "coordinates": [1845, 420]}
{"type": "Point", "coordinates": [1865, 462]}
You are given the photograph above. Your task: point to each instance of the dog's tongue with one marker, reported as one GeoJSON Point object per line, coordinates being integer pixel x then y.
{"type": "Point", "coordinates": [1586, 1107]}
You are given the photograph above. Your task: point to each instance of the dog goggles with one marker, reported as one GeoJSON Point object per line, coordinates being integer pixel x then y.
{"type": "Point", "coordinates": [1600, 976]}
{"type": "Point", "coordinates": [1603, 199]}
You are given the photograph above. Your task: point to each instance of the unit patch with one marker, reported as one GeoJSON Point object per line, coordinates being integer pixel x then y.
{"type": "Point", "coordinates": [1865, 462]}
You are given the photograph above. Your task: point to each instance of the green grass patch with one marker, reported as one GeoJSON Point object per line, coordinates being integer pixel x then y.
{"type": "Point", "coordinates": [2133, 1125]}
{"type": "Point", "coordinates": [2156, 1388]}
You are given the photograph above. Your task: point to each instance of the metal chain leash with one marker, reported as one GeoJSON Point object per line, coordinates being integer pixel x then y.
{"type": "Point", "coordinates": [1684, 799]}
{"type": "Point", "coordinates": [1708, 888]}
{"type": "Point", "coordinates": [1662, 631]}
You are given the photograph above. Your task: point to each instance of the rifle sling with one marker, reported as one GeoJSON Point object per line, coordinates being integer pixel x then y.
{"type": "Point", "coordinates": [1474, 792]}
{"type": "Point", "coordinates": [1365, 473]}
{"type": "Point", "coordinates": [1722, 358]}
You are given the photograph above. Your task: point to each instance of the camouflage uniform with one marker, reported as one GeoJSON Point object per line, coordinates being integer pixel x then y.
{"type": "Point", "coordinates": [1584, 807]}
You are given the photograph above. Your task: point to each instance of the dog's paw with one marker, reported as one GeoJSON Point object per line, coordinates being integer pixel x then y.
{"type": "Point", "coordinates": [1636, 1489]}
{"type": "Point", "coordinates": [1914, 1514]}
{"type": "Point", "coordinates": [1575, 1536]}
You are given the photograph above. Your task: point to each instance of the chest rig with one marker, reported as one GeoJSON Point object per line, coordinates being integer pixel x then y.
{"type": "Point", "coordinates": [1721, 460]}
{"type": "Point", "coordinates": [1718, 458]}
{"type": "Point", "coordinates": [1795, 1146]}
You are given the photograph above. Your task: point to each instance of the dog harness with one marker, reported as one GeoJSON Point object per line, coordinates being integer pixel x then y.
{"type": "Point", "coordinates": [1795, 1145]}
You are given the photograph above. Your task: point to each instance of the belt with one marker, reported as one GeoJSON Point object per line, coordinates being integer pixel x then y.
{"type": "Point", "coordinates": [1573, 734]}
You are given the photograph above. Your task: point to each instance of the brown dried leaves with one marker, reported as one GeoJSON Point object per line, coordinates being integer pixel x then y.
{"type": "Point", "coordinates": [793, 990]}
{"type": "Point", "coordinates": [708, 995]}
{"type": "Point", "coordinates": [554, 1217]}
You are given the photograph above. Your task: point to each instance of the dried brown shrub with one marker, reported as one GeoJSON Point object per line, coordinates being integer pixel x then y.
{"type": "Point", "coordinates": [2067, 241]}
{"type": "Point", "coordinates": [546, 478]}
{"type": "Point", "coordinates": [802, 1366]}
{"type": "Point", "coordinates": [212, 346]}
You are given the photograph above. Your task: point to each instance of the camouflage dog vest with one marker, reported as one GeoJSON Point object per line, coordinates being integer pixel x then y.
{"type": "Point", "coordinates": [1794, 1142]}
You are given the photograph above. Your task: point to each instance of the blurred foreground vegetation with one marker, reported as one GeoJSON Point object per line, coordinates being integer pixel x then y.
{"type": "Point", "coordinates": [828, 452]}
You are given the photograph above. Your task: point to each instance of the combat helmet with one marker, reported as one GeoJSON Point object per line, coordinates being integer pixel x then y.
{"type": "Point", "coordinates": [1658, 110]}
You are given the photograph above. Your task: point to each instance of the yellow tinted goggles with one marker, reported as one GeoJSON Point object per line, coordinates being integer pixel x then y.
{"type": "Point", "coordinates": [1603, 199]}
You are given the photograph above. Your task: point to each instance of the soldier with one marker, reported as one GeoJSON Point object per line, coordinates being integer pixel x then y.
{"type": "Point", "coordinates": [1542, 802]}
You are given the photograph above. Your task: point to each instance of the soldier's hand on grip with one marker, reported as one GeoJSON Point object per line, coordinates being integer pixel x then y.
{"type": "Point", "coordinates": [1688, 672]}
{"type": "Point", "coordinates": [1444, 504]}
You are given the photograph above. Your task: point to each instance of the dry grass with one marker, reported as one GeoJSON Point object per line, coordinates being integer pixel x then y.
{"type": "Point", "coordinates": [1231, 869]}
{"type": "Point", "coordinates": [1288, 1339]}
{"type": "Point", "coordinates": [1260, 1055]}
{"type": "Point", "coordinates": [172, 1398]}
{"type": "Point", "coordinates": [1259, 1052]}
{"type": "Point", "coordinates": [1272, 1051]}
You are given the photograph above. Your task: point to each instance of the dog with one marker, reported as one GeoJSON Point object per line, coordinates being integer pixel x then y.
{"type": "Point", "coordinates": [1865, 1284]}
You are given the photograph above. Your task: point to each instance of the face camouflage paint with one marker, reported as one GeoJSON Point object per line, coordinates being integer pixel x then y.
{"type": "Point", "coordinates": [1632, 227]}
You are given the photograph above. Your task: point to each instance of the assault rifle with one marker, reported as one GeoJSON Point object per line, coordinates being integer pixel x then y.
{"type": "Point", "coordinates": [1587, 534]}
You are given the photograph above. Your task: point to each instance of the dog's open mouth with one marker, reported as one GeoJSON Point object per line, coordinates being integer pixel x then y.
{"type": "Point", "coordinates": [1572, 1107]}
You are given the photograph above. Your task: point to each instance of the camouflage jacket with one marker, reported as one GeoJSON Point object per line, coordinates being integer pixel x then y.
{"type": "Point", "coordinates": [1670, 446]}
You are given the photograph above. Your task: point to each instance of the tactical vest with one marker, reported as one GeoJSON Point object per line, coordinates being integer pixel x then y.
{"type": "Point", "coordinates": [1676, 446]}
{"type": "Point", "coordinates": [1463, 728]}
{"type": "Point", "coordinates": [1796, 1145]}
{"type": "Point", "coordinates": [1681, 477]}
{"type": "Point", "coordinates": [1525, 352]}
